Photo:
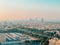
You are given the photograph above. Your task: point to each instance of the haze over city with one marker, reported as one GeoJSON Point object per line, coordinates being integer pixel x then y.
{"type": "Point", "coordinates": [26, 9]}
{"type": "Point", "coordinates": [29, 22]}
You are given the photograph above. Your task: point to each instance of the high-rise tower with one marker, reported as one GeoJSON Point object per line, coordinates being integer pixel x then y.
{"type": "Point", "coordinates": [42, 20]}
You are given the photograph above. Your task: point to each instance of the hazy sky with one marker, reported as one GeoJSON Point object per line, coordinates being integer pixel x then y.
{"type": "Point", "coordinates": [26, 9]}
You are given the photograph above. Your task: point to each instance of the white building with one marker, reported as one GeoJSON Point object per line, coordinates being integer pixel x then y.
{"type": "Point", "coordinates": [2, 38]}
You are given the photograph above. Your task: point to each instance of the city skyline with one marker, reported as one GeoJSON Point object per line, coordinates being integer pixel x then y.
{"type": "Point", "coordinates": [26, 9]}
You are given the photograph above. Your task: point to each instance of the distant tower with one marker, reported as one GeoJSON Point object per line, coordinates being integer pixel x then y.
{"type": "Point", "coordinates": [30, 19]}
{"type": "Point", "coordinates": [42, 20]}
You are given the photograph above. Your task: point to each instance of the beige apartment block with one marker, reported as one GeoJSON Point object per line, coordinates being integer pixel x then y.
{"type": "Point", "coordinates": [54, 41]}
{"type": "Point", "coordinates": [58, 42]}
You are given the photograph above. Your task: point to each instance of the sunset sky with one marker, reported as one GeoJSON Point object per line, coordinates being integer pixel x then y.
{"type": "Point", "coordinates": [26, 9]}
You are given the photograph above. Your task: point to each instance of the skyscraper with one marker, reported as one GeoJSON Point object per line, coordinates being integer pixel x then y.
{"type": "Point", "coordinates": [42, 20]}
